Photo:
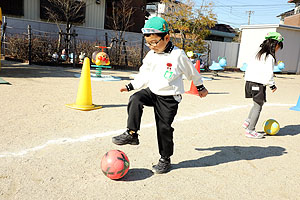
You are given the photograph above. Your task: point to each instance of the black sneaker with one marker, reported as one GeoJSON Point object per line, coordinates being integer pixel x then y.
{"type": "Point", "coordinates": [163, 166]}
{"type": "Point", "coordinates": [126, 138]}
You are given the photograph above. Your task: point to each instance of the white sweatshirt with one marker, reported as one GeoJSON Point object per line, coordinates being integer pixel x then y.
{"type": "Point", "coordinates": [260, 71]}
{"type": "Point", "coordinates": [162, 72]}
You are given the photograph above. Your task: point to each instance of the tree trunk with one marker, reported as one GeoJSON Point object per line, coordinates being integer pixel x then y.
{"type": "Point", "coordinates": [182, 39]}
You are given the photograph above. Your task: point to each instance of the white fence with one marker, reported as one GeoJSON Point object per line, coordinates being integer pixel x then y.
{"type": "Point", "coordinates": [229, 50]}
{"type": "Point", "coordinates": [19, 26]}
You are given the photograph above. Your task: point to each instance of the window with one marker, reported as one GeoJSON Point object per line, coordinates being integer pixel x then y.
{"type": "Point", "coordinates": [12, 7]}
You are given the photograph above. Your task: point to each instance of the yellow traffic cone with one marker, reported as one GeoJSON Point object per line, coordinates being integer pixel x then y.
{"type": "Point", "coordinates": [84, 94]}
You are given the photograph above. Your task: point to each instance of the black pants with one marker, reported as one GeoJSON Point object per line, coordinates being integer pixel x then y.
{"type": "Point", "coordinates": [256, 91]}
{"type": "Point", "coordinates": [165, 109]}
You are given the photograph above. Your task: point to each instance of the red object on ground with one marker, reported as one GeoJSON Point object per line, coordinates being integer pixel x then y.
{"type": "Point", "coordinates": [115, 164]}
{"type": "Point", "coordinates": [193, 89]}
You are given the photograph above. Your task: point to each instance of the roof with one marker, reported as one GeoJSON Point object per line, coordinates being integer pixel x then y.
{"type": "Point", "coordinates": [293, 1]}
{"type": "Point", "coordinates": [263, 26]}
{"type": "Point", "coordinates": [287, 13]}
{"type": "Point", "coordinates": [151, 1]}
{"type": "Point", "coordinates": [223, 28]}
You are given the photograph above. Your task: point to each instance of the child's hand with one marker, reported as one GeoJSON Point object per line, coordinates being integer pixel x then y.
{"type": "Point", "coordinates": [123, 89]}
{"type": "Point", "coordinates": [203, 93]}
{"type": "Point", "coordinates": [274, 89]}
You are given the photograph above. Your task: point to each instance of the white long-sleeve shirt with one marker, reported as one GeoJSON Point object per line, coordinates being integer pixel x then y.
{"type": "Point", "coordinates": [260, 71]}
{"type": "Point", "coordinates": [162, 72]}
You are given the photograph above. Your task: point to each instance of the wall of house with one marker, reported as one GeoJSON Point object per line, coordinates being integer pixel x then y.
{"type": "Point", "coordinates": [95, 14]}
{"type": "Point", "coordinates": [291, 50]}
{"type": "Point", "coordinates": [293, 20]}
{"type": "Point", "coordinates": [254, 35]}
{"type": "Point", "coordinates": [32, 9]}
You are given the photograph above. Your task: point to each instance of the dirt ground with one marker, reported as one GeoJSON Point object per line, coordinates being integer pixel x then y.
{"type": "Point", "coordinates": [49, 151]}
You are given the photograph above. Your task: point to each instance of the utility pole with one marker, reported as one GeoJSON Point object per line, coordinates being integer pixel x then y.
{"type": "Point", "coordinates": [250, 12]}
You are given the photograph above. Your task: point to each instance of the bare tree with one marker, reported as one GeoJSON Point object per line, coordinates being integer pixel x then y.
{"type": "Point", "coordinates": [68, 12]}
{"type": "Point", "coordinates": [120, 21]}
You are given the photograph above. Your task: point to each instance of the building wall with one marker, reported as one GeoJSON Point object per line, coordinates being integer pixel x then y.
{"type": "Point", "coordinates": [32, 9]}
{"type": "Point", "coordinates": [254, 35]}
{"type": "Point", "coordinates": [290, 54]}
{"type": "Point", "coordinates": [95, 14]}
{"type": "Point", "coordinates": [293, 20]}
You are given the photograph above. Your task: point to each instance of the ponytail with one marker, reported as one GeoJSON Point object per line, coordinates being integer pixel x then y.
{"type": "Point", "coordinates": [268, 47]}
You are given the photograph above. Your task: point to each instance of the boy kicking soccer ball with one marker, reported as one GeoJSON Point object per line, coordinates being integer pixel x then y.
{"type": "Point", "coordinates": [161, 73]}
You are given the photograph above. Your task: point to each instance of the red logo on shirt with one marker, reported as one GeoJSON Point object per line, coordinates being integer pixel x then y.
{"type": "Point", "coordinates": [168, 73]}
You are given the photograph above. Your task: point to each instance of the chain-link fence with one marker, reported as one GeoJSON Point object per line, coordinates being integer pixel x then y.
{"type": "Point", "coordinates": [38, 42]}
{"type": "Point", "coordinates": [34, 45]}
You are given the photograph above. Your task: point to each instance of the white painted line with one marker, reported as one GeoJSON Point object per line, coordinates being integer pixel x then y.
{"type": "Point", "coordinates": [61, 141]}
{"type": "Point", "coordinates": [278, 104]}
{"type": "Point", "coordinates": [58, 142]}
{"type": "Point", "coordinates": [230, 108]}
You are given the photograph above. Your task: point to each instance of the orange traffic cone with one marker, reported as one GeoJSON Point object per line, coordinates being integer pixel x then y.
{"type": "Point", "coordinates": [193, 89]}
{"type": "Point", "coordinates": [84, 94]}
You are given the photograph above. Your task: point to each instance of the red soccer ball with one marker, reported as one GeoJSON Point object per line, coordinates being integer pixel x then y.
{"type": "Point", "coordinates": [115, 164]}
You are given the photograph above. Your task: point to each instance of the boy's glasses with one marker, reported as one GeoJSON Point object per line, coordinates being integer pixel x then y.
{"type": "Point", "coordinates": [154, 44]}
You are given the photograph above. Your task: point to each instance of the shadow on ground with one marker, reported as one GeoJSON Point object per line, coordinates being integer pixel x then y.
{"type": "Point", "coordinates": [289, 130]}
{"type": "Point", "coordinates": [114, 105]}
{"type": "Point", "coordinates": [283, 77]}
{"type": "Point", "coordinates": [218, 93]}
{"type": "Point", "coordinates": [23, 70]}
{"type": "Point", "coordinates": [226, 154]}
{"type": "Point", "coordinates": [35, 71]}
{"type": "Point", "coordinates": [124, 78]}
{"type": "Point", "coordinates": [137, 174]}
{"type": "Point", "coordinates": [217, 76]}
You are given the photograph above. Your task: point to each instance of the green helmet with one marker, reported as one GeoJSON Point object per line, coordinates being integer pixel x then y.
{"type": "Point", "coordinates": [275, 36]}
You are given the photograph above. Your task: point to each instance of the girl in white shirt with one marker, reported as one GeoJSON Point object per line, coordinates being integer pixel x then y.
{"type": "Point", "coordinates": [258, 74]}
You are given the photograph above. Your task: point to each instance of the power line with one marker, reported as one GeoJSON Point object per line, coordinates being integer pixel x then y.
{"type": "Point", "coordinates": [238, 10]}
{"type": "Point", "coordinates": [261, 5]}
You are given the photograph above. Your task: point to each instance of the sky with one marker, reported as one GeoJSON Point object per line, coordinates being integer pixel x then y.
{"type": "Point", "coordinates": [236, 12]}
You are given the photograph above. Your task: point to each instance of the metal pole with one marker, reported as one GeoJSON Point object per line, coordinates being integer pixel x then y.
{"type": "Point", "coordinates": [250, 12]}
{"type": "Point", "coordinates": [3, 35]}
{"type": "Point", "coordinates": [29, 44]}
{"type": "Point", "coordinates": [142, 50]}
{"type": "Point", "coordinates": [106, 43]}
{"type": "Point", "coordinates": [124, 49]}
{"type": "Point", "coordinates": [74, 48]}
